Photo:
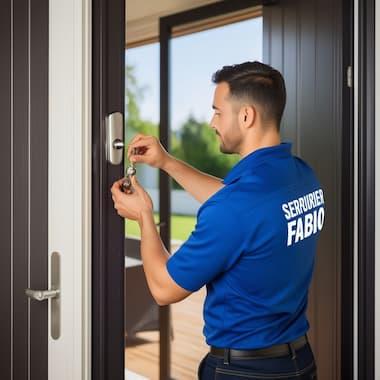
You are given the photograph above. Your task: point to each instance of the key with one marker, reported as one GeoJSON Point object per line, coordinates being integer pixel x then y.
{"type": "Point", "coordinates": [126, 186]}
{"type": "Point", "coordinates": [130, 171]}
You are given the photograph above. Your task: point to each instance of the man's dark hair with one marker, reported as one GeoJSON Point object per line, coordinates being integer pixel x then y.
{"type": "Point", "coordinates": [257, 83]}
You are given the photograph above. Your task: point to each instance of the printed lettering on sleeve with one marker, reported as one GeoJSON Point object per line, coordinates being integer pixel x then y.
{"type": "Point", "coordinates": [309, 213]}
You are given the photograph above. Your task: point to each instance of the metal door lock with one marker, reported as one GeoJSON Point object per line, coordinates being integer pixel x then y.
{"type": "Point", "coordinates": [118, 144]}
{"type": "Point", "coordinates": [114, 138]}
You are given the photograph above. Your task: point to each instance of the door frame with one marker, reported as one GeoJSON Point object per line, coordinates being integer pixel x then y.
{"type": "Point", "coordinates": [166, 24]}
{"type": "Point", "coordinates": [366, 189]}
{"type": "Point", "coordinates": [108, 82]}
{"type": "Point", "coordinates": [69, 183]}
{"type": "Point", "coordinates": [108, 308]}
{"type": "Point", "coordinates": [348, 196]}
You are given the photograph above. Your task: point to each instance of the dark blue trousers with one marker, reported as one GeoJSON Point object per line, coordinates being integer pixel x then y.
{"type": "Point", "coordinates": [302, 367]}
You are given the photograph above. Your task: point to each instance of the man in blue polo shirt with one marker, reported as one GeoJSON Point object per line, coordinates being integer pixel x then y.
{"type": "Point", "coordinates": [255, 239]}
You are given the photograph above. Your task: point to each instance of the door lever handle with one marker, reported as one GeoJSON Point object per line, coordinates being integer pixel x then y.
{"type": "Point", "coordinates": [53, 295]}
{"type": "Point", "coordinates": [42, 295]}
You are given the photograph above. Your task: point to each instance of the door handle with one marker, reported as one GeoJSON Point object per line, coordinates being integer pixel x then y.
{"type": "Point", "coordinates": [53, 294]}
{"type": "Point", "coordinates": [41, 295]}
{"type": "Point", "coordinates": [114, 138]}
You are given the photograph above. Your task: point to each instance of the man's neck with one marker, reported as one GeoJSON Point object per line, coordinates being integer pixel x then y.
{"type": "Point", "coordinates": [267, 140]}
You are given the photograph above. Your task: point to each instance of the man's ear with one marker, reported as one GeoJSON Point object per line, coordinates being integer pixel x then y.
{"type": "Point", "coordinates": [247, 116]}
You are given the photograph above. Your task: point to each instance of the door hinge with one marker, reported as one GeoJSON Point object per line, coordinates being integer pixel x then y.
{"type": "Point", "coordinates": [349, 76]}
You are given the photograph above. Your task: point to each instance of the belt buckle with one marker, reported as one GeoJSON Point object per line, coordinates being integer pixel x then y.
{"type": "Point", "coordinates": [226, 356]}
{"type": "Point", "coordinates": [292, 350]}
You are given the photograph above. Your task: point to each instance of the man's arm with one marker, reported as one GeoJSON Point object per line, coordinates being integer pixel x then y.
{"type": "Point", "coordinates": [200, 185]}
{"type": "Point", "coordinates": [154, 256]}
{"type": "Point", "coordinates": [137, 205]}
{"type": "Point", "coordinates": [148, 150]}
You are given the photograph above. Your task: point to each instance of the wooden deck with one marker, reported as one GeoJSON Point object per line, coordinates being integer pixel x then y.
{"type": "Point", "coordinates": [188, 345]}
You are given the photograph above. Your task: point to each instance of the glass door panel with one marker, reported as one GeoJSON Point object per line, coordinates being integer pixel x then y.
{"type": "Point", "coordinates": [141, 311]}
{"type": "Point", "coordinates": [193, 60]}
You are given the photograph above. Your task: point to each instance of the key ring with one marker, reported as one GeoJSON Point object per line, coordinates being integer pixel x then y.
{"type": "Point", "coordinates": [126, 186]}
{"type": "Point", "coordinates": [131, 171]}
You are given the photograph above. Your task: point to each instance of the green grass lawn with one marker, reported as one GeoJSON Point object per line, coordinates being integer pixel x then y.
{"type": "Point", "coordinates": [182, 225]}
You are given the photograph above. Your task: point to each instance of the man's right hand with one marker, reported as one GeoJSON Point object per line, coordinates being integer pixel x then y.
{"type": "Point", "coordinates": [148, 150]}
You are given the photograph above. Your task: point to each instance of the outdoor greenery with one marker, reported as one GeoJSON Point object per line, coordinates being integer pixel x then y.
{"type": "Point", "coordinates": [181, 226]}
{"type": "Point", "coordinates": [133, 94]}
{"type": "Point", "coordinates": [195, 143]}
{"type": "Point", "coordinates": [199, 146]}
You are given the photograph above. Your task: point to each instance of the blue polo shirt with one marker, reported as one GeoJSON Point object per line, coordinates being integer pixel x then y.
{"type": "Point", "coordinates": [253, 246]}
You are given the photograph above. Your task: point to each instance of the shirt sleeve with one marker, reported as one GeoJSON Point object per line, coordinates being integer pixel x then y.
{"type": "Point", "coordinates": [213, 247]}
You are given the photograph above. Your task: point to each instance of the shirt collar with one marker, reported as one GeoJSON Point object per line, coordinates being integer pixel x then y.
{"type": "Point", "coordinates": [255, 158]}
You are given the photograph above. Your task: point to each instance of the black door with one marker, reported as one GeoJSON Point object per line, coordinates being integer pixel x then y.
{"type": "Point", "coordinates": [304, 40]}
{"type": "Point", "coordinates": [24, 188]}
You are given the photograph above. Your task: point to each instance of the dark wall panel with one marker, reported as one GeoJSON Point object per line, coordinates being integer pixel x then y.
{"type": "Point", "coordinates": [38, 161]}
{"type": "Point", "coordinates": [24, 188]}
{"type": "Point", "coordinates": [20, 190]}
{"type": "Point", "coordinates": [5, 192]}
{"type": "Point", "coordinates": [303, 40]}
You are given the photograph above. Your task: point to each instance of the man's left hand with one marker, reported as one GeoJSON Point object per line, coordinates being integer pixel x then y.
{"type": "Point", "coordinates": [134, 204]}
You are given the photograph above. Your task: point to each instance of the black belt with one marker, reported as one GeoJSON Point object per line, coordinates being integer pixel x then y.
{"type": "Point", "coordinates": [273, 351]}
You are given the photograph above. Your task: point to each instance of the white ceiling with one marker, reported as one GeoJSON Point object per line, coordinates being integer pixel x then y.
{"type": "Point", "coordinates": [143, 16]}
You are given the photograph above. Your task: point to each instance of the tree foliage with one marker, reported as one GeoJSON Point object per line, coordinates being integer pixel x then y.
{"type": "Point", "coordinates": [195, 142]}
{"type": "Point", "coordinates": [133, 95]}
{"type": "Point", "coordinates": [199, 147]}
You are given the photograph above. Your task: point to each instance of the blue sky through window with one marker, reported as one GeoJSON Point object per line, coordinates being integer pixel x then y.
{"type": "Point", "coordinates": [194, 58]}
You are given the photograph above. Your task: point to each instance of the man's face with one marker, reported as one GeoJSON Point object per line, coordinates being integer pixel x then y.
{"type": "Point", "coordinates": [225, 120]}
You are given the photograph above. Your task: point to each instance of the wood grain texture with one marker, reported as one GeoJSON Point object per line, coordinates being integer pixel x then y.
{"type": "Point", "coordinates": [188, 345]}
